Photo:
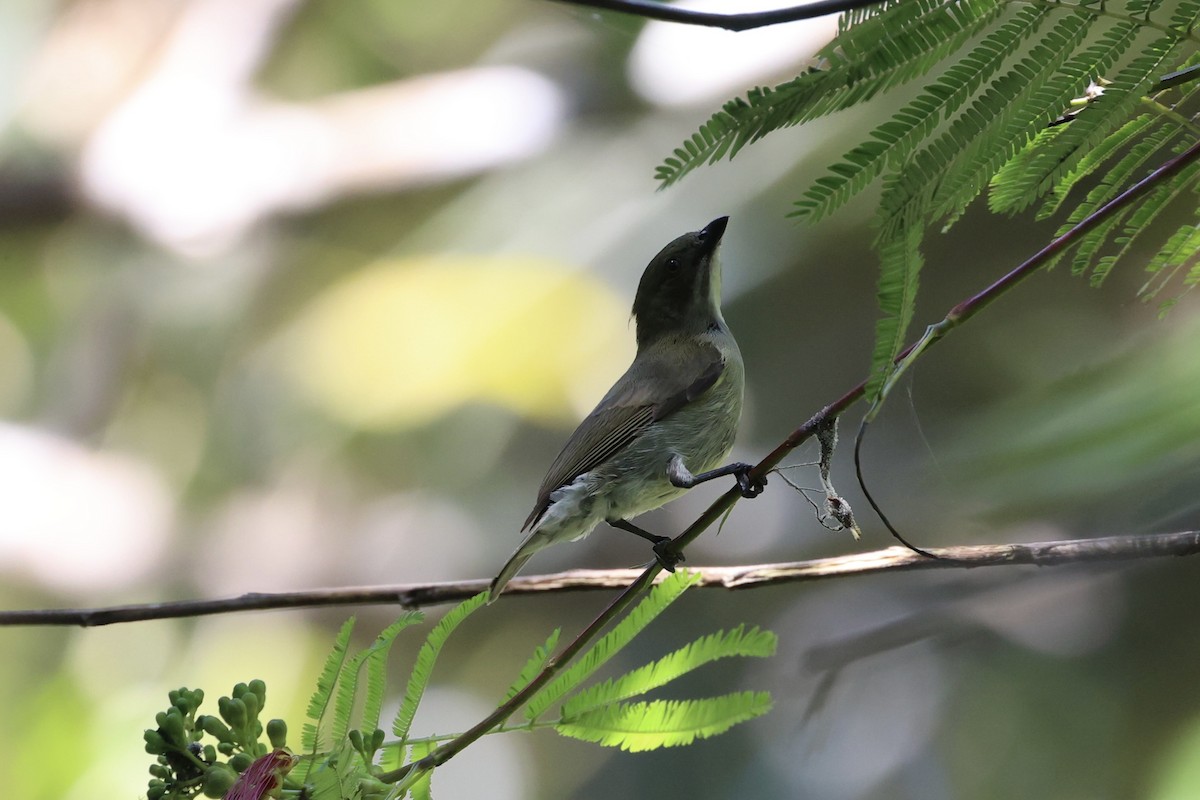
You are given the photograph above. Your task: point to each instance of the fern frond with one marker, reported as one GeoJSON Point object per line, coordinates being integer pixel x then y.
{"type": "Point", "coordinates": [1102, 267]}
{"type": "Point", "coordinates": [951, 170]}
{"type": "Point", "coordinates": [1148, 131]}
{"type": "Point", "coordinates": [348, 682]}
{"type": "Point", "coordinates": [310, 735]}
{"type": "Point", "coordinates": [902, 42]}
{"type": "Point", "coordinates": [1140, 219]}
{"type": "Point", "coordinates": [657, 601]}
{"type": "Point", "coordinates": [347, 691]}
{"type": "Point", "coordinates": [1117, 177]}
{"type": "Point", "coordinates": [722, 644]}
{"type": "Point", "coordinates": [423, 788]}
{"type": "Point", "coordinates": [534, 665]}
{"type": "Point", "coordinates": [1183, 21]}
{"type": "Point", "coordinates": [900, 269]}
{"type": "Point", "coordinates": [858, 16]}
{"type": "Point", "coordinates": [1007, 189]}
{"type": "Point", "coordinates": [1122, 93]}
{"type": "Point", "coordinates": [1181, 247]}
{"type": "Point", "coordinates": [638, 727]}
{"type": "Point", "coordinates": [1142, 8]}
{"type": "Point", "coordinates": [1093, 160]}
{"type": "Point", "coordinates": [331, 777]}
{"type": "Point", "coordinates": [1047, 87]}
{"type": "Point", "coordinates": [892, 142]}
{"type": "Point", "coordinates": [377, 656]}
{"type": "Point", "coordinates": [426, 658]}
{"type": "Point", "coordinates": [1193, 276]}
{"type": "Point", "coordinates": [1088, 248]}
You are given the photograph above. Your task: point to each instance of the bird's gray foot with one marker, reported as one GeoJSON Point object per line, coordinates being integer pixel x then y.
{"type": "Point", "coordinates": [663, 553]}
{"type": "Point", "coordinates": [750, 488]}
{"type": "Point", "coordinates": [667, 558]}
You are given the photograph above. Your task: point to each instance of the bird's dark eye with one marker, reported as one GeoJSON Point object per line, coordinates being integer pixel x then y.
{"type": "Point", "coordinates": [672, 265]}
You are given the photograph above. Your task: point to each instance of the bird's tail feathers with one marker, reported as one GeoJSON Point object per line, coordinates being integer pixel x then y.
{"type": "Point", "coordinates": [510, 569]}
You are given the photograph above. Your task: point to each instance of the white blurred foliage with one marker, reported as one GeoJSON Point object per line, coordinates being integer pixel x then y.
{"type": "Point", "coordinates": [415, 537]}
{"type": "Point", "coordinates": [194, 156]}
{"type": "Point", "coordinates": [688, 65]}
{"type": "Point", "coordinates": [276, 539]}
{"type": "Point", "coordinates": [77, 520]}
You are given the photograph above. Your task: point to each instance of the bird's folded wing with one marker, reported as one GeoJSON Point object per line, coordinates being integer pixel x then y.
{"type": "Point", "coordinates": [656, 386]}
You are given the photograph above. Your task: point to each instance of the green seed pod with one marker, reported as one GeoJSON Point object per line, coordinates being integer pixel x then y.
{"type": "Point", "coordinates": [155, 790]}
{"type": "Point", "coordinates": [239, 690]}
{"type": "Point", "coordinates": [235, 713]}
{"type": "Point", "coordinates": [218, 780]}
{"type": "Point", "coordinates": [240, 761]}
{"type": "Point", "coordinates": [377, 739]}
{"type": "Point", "coordinates": [260, 691]}
{"type": "Point", "coordinates": [159, 771]}
{"type": "Point", "coordinates": [172, 731]}
{"type": "Point", "coordinates": [214, 727]}
{"type": "Point", "coordinates": [277, 733]}
{"type": "Point", "coordinates": [250, 701]}
{"type": "Point", "coordinates": [210, 753]}
{"type": "Point", "coordinates": [356, 740]}
{"type": "Point", "coordinates": [154, 742]}
{"type": "Point", "coordinates": [225, 748]}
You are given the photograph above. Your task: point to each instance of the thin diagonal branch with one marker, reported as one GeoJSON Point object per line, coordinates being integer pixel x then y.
{"type": "Point", "coordinates": [752, 20]}
{"type": "Point", "coordinates": [745, 21]}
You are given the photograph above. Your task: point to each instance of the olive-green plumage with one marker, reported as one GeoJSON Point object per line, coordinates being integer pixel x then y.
{"type": "Point", "coordinates": [673, 413]}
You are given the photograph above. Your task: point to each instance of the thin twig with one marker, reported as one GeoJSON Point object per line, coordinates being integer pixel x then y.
{"type": "Point", "coordinates": [893, 559]}
{"type": "Point", "coordinates": [745, 21]}
{"type": "Point", "coordinates": [751, 20]}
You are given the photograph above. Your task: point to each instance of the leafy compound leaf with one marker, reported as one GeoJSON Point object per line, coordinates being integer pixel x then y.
{"type": "Point", "coordinates": [310, 735]}
{"type": "Point", "coordinates": [722, 644]}
{"type": "Point", "coordinates": [657, 601]}
{"type": "Point", "coordinates": [426, 658]}
{"type": "Point", "coordinates": [638, 727]}
{"type": "Point", "coordinates": [534, 665]}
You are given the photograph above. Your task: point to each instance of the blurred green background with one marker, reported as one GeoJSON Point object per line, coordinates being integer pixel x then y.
{"type": "Point", "coordinates": [309, 294]}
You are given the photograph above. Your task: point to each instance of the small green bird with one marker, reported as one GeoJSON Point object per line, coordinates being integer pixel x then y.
{"type": "Point", "coordinates": [665, 425]}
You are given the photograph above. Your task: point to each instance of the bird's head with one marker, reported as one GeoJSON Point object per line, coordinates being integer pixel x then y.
{"type": "Point", "coordinates": [680, 291]}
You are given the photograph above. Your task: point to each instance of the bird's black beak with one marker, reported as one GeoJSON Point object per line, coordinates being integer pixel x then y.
{"type": "Point", "coordinates": [710, 237]}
